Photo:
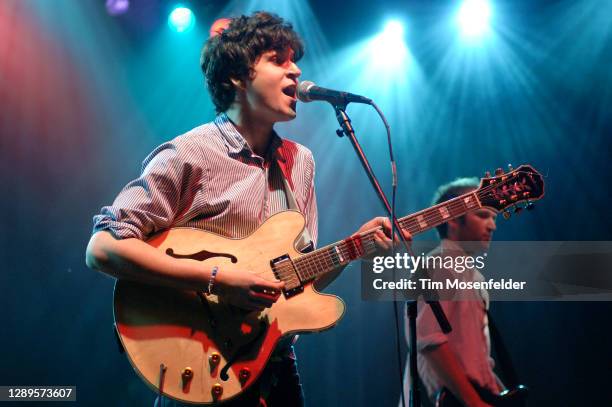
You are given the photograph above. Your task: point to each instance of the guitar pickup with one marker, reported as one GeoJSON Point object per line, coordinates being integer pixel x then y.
{"type": "Point", "coordinates": [284, 270]}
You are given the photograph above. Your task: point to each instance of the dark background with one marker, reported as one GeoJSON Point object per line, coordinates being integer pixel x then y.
{"type": "Point", "coordinates": [85, 96]}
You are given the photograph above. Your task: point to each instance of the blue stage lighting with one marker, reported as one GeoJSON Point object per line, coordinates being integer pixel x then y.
{"type": "Point", "coordinates": [474, 17]}
{"type": "Point", "coordinates": [395, 30]}
{"type": "Point", "coordinates": [181, 19]}
{"type": "Point", "coordinates": [116, 7]}
{"type": "Point", "coordinates": [389, 46]}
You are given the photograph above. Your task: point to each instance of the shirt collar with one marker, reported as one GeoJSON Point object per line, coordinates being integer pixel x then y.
{"type": "Point", "coordinates": [236, 143]}
{"type": "Point", "coordinates": [231, 137]}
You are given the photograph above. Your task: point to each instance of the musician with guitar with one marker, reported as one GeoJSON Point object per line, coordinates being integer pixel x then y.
{"type": "Point", "coordinates": [226, 177]}
{"type": "Point", "coordinates": [458, 365]}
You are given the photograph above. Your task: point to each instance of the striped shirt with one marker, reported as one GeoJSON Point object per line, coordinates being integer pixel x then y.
{"type": "Point", "coordinates": [209, 178]}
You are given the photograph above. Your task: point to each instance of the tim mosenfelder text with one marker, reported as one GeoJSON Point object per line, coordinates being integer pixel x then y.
{"type": "Point", "coordinates": [458, 264]}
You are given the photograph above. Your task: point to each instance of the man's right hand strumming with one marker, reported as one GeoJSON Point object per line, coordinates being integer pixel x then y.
{"type": "Point", "coordinates": [246, 290]}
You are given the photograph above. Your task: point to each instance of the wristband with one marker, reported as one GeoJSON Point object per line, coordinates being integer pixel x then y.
{"type": "Point", "coordinates": [211, 282]}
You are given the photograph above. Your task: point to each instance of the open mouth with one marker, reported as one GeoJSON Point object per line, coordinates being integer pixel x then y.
{"type": "Point", "coordinates": [290, 90]}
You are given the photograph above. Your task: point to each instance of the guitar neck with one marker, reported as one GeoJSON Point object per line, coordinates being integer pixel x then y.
{"type": "Point", "coordinates": [337, 255]}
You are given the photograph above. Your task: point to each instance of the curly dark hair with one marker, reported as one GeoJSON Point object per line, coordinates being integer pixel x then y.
{"type": "Point", "coordinates": [233, 53]}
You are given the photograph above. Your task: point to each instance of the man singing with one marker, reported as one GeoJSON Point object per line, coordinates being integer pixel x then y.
{"type": "Point", "coordinates": [227, 177]}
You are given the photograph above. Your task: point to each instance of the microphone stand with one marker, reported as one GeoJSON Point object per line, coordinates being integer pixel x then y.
{"type": "Point", "coordinates": [347, 129]}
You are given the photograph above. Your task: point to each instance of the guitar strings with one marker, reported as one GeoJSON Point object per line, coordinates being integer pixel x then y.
{"type": "Point", "coordinates": [432, 214]}
{"type": "Point", "coordinates": [431, 217]}
{"type": "Point", "coordinates": [311, 263]}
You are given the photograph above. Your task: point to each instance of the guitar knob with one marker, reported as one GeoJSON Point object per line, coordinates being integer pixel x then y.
{"type": "Point", "coordinates": [244, 375]}
{"type": "Point", "coordinates": [510, 169]}
{"type": "Point", "coordinates": [506, 214]}
{"type": "Point", "coordinates": [216, 391]}
{"type": "Point", "coordinates": [214, 360]}
{"type": "Point", "coordinates": [186, 376]}
{"type": "Point", "coordinates": [499, 171]}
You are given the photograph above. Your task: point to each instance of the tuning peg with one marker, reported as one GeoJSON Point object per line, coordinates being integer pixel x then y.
{"type": "Point", "coordinates": [499, 171]}
{"type": "Point", "coordinates": [487, 174]}
{"type": "Point", "coordinates": [506, 214]}
{"type": "Point", "coordinates": [510, 169]}
{"type": "Point", "coordinates": [518, 209]}
{"type": "Point", "coordinates": [530, 206]}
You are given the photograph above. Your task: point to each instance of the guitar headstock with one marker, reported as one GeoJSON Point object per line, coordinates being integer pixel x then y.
{"type": "Point", "coordinates": [509, 189]}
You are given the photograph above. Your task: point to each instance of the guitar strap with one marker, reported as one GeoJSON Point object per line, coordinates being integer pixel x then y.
{"type": "Point", "coordinates": [503, 356]}
{"type": "Point", "coordinates": [304, 243]}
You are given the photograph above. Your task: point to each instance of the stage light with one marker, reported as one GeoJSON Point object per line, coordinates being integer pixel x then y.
{"type": "Point", "coordinates": [181, 19]}
{"type": "Point", "coordinates": [394, 30]}
{"type": "Point", "coordinates": [116, 7]}
{"type": "Point", "coordinates": [474, 17]}
{"type": "Point", "coordinates": [389, 47]}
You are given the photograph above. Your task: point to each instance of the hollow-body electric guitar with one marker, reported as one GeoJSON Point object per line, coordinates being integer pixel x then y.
{"type": "Point", "coordinates": [195, 348]}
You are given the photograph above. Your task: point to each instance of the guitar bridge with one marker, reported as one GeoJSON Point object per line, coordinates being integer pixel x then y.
{"type": "Point", "coordinates": [284, 270]}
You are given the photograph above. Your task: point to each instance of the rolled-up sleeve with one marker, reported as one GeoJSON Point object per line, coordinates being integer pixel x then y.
{"type": "Point", "coordinates": [152, 201]}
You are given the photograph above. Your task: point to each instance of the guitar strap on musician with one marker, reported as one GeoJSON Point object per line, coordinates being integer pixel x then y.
{"type": "Point", "coordinates": [304, 243]}
{"type": "Point", "coordinates": [503, 356]}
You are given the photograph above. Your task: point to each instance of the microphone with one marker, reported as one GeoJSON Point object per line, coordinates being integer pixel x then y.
{"type": "Point", "coordinates": [307, 91]}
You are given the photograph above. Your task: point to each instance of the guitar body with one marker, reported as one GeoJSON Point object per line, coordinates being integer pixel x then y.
{"type": "Point", "coordinates": [224, 348]}
{"type": "Point", "coordinates": [195, 348]}
{"type": "Point", "coordinates": [517, 397]}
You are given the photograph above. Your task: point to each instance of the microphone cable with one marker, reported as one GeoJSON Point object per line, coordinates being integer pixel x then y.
{"type": "Point", "coordinates": [398, 335]}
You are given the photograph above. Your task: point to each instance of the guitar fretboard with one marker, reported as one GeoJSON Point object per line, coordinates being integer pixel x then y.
{"type": "Point", "coordinates": [336, 255]}
{"type": "Point", "coordinates": [441, 213]}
